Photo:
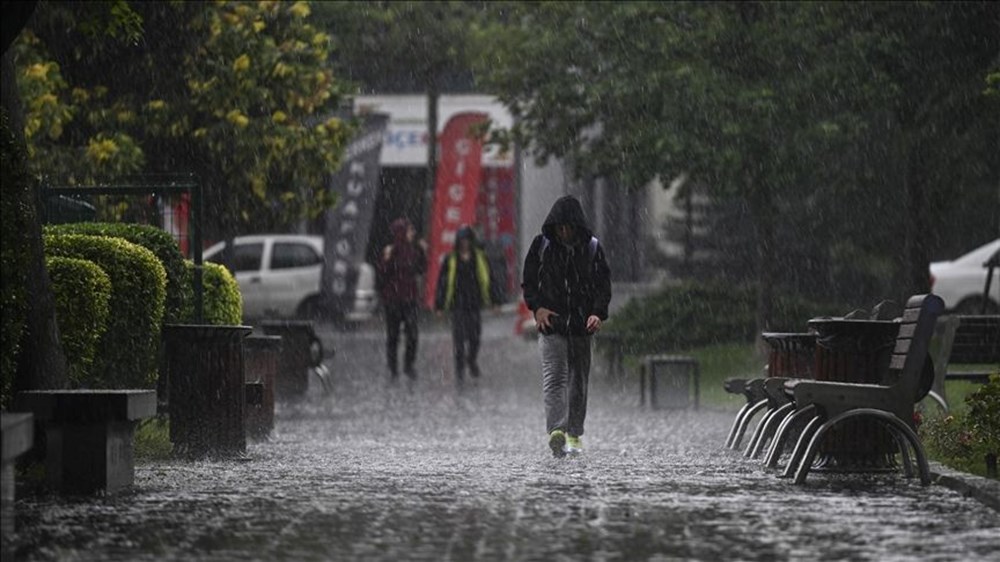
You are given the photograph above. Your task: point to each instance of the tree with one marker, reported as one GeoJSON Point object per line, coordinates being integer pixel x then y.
{"type": "Point", "coordinates": [239, 93]}
{"type": "Point", "coordinates": [404, 47]}
{"type": "Point", "coordinates": [781, 107]}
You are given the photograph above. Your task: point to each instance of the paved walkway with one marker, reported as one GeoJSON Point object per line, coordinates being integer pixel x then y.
{"type": "Point", "coordinates": [391, 472]}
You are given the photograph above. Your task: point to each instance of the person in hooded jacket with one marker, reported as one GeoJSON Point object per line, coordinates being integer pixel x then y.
{"type": "Point", "coordinates": [567, 285]}
{"type": "Point", "coordinates": [402, 263]}
{"type": "Point", "coordinates": [464, 288]}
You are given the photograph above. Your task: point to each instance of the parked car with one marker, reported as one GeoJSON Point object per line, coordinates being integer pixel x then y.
{"type": "Point", "coordinates": [960, 282]}
{"type": "Point", "coordinates": [279, 276]}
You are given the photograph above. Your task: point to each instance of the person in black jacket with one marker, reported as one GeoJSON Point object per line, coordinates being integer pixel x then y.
{"type": "Point", "coordinates": [567, 285]}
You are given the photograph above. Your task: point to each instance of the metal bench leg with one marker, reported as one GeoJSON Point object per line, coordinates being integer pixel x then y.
{"type": "Point", "coordinates": [736, 423]}
{"type": "Point", "coordinates": [746, 422]}
{"type": "Point", "coordinates": [939, 399]}
{"type": "Point", "coordinates": [802, 446]}
{"type": "Point", "coordinates": [895, 425]}
{"type": "Point", "coordinates": [758, 431]}
{"type": "Point", "coordinates": [778, 416]}
{"type": "Point", "coordinates": [904, 452]}
{"type": "Point", "coordinates": [778, 443]}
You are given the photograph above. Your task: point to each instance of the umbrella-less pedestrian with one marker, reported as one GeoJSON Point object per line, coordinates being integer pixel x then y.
{"type": "Point", "coordinates": [567, 285]}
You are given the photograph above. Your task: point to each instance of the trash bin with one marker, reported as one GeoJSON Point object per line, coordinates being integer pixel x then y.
{"type": "Point", "coordinates": [300, 349]}
{"type": "Point", "coordinates": [207, 388]}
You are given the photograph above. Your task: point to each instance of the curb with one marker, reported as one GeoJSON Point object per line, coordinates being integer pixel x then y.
{"type": "Point", "coordinates": [986, 490]}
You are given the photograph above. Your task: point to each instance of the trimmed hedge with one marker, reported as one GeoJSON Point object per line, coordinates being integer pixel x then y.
{"type": "Point", "coordinates": [83, 303]}
{"type": "Point", "coordinates": [693, 315]}
{"type": "Point", "coordinates": [13, 255]}
{"type": "Point", "coordinates": [222, 300]}
{"type": "Point", "coordinates": [154, 239]}
{"type": "Point", "coordinates": [127, 357]}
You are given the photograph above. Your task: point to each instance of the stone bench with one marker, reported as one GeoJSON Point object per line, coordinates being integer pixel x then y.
{"type": "Point", "coordinates": [89, 435]}
{"type": "Point", "coordinates": [17, 432]}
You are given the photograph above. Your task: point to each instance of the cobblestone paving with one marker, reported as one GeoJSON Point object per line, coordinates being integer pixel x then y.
{"type": "Point", "coordinates": [430, 473]}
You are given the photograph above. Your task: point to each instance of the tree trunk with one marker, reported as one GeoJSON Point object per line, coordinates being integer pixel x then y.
{"type": "Point", "coordinates": [432, 153]}
{"type": "Point", "coordinates": [41, 362]}
{"type": "Point", "coordinates": [917, 261]}
{"type": "Point", "coordinates": [762, 207]}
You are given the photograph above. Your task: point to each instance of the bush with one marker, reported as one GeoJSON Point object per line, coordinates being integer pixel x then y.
{"type": "Point", "coordinates": [154, 239]}
{"type": "Point", "coordinates": [222, 299]}
{"type": "Point", "coordinates": [694, 315]}
{"type": "Point", "coordinates": [984, 412]}
{"type": "Point", "coordinates": [962, 440]}
{"type": "Point", "coordinates": [13, 255]}
{"type": "Point", "coordinates": [82, 298]}
{"type": "Point", "coordinates": [138, 286]}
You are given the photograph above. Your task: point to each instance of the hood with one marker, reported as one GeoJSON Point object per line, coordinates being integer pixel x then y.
{"type": "Point", "coordinates": [465, 233]}
{"type": "Point", "coordinates": [398, 229]}
{"type": "Point", "coordinates": [567, 210]}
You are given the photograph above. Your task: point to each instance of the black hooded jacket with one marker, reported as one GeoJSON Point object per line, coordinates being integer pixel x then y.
{"type": "Point", "coordinates": [569, 280]}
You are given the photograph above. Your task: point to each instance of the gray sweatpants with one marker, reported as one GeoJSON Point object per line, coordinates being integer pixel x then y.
{"type": "Point", "coordinates": [565, 371]}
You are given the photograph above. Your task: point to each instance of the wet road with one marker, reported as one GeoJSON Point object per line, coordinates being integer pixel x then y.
{"type": "Point", "coordinates": [392, 472]}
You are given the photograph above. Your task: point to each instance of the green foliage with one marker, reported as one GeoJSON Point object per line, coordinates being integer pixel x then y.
{"type": "Point", "coordinates": [246, 105]}
{"type": "Point", "coordinates": [82, 298]}
{"type": "Point", "coordinates": [222, 301]}
{"type": "Point", "coordinates": [138, 286]}
{"type": "Point", "coordinates": [154, 239]}
{"type": "Point", "coordinates": [984, 412]}
{"type": "Point", "coordinates": [13, 255]}
{"type": "Point", "coordinates": [963, 438]}
{"type": "Point", "coordinates": [694, 315]}
{"type": "Point", "coordinates": [152, 439]}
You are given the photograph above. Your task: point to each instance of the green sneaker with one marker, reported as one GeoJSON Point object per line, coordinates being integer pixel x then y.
{"type": "Point", "coordinates": [574, 445]}
{"type": "Point", "coordinates": [557, 442]}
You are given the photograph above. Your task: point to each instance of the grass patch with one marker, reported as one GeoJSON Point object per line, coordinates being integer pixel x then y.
{"type": "Point", "coordinates": [152, 439]}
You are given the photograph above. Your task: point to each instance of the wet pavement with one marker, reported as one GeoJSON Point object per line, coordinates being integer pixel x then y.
{"type": "Point", "coordinates": [428, 472]}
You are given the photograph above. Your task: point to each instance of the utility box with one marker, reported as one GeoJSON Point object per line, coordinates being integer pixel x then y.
{"type": "Point", "coordinates": [669, 381]}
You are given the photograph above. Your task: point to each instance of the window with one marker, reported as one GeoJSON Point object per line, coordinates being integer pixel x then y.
{"type": "Point", "coordinates": [286, 255]}
{"type": "Point", "coordinates": [247, 257]}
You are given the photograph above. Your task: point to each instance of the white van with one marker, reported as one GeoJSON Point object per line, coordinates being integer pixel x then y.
{"type": "Point", "coordinates": [279, 276]}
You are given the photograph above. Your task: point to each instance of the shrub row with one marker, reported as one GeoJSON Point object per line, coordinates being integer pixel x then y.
{"type": "Point", "coordinates": [221, 299]}
{"type": "Point", "coordinates": [83, 303]}
{"type": "Point", "coordinates": [154, 239]}
{"type": "Point", "coordinates": [695, 315]}
{"type": "Point", "coordinates": [138, 287]}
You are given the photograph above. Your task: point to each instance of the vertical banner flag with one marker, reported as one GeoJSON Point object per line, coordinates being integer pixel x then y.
{"type": "Point", "coordinates": [455, 191]}
{"type": "Point", "coordinates": [498, 220]}
{"type": "Point", "coordinates": [348, 224]}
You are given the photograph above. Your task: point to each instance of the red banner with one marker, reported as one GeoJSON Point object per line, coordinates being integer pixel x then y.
{"type": "Point", "coordinates": [455, 191]}
{"type": "Point", "coordinates": [497, 219]}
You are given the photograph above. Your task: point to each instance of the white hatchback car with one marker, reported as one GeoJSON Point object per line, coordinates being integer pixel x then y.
{"type": "Point", "coordinates": [960, 282]}
{"type": "Point", "coordinates": [279, 276]}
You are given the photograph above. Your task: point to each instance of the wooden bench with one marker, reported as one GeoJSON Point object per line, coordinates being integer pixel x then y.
{"type": "Point", "coordinates": [89, 435]}
{"type": "Point", "coordinates": [825, 404]}
{"type": "Point", "coordinates": [966, 340]}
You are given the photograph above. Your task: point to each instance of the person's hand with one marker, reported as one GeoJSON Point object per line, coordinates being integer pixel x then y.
{"type": "Point", "coordinates": [387, 253]}
{"type": "Point", "coordinates": [422, 243]}
{"type": "Point", "coordinates": [543, 317]}
{"type": "Point", "coordinates": [593, 324]}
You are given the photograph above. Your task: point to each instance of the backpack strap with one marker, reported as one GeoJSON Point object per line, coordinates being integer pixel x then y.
{"type": "Point", "coordinates": [591, 249]}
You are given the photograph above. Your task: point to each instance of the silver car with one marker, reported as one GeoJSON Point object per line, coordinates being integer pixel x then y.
{"type": "Point", "coordinates": [279, 276]}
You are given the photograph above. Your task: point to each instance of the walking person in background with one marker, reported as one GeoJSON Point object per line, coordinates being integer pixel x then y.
{"type": "Point", "coordinates": [402, 263]}
{"type": "Point", "coordinates": [567, 285]}
{"type": "Point", "coordinates": [464, 288]}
